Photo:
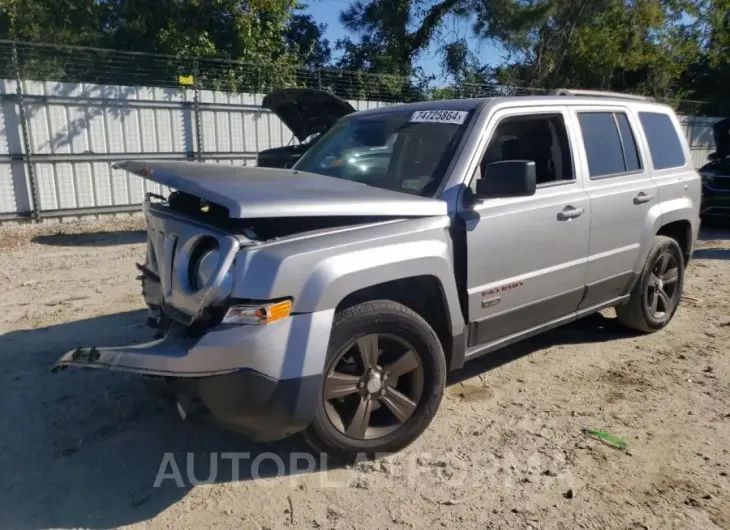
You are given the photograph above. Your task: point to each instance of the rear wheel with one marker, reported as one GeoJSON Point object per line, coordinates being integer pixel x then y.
{"type": "Point", "coordinates": [384, 379]}
{"type": "Point", "coordinates": [656, 295]}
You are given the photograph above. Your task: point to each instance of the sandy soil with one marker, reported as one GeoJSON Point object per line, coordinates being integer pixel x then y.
{"type": "Point", "coordinates": [83, 448]}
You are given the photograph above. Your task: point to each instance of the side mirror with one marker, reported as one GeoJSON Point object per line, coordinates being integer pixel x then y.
{"type": "Point", "coordinates": [509, 178]}
{"type": "Point", "coordinates": [712, 157]}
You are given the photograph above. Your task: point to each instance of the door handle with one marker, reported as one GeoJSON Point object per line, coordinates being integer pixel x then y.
{"type": "Point", "coordinates": [569, 212]}
{"type": "Point", "coordinates": [642, 198]}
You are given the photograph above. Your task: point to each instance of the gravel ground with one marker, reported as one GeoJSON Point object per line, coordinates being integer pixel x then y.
{"type": "Point", "coordinates": [83, 449]}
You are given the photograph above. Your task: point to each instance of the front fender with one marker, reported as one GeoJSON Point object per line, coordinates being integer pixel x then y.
{"type": "Point", "coordinates": [336, 277]}
{"type": "Point", "coordinates": [319, 272]}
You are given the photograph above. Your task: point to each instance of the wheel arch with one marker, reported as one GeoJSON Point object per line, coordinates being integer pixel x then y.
{"type": "Point", "coordinates": [423, 294]}
{"type": "Point", "coordinates": [677, 219]}
{"type": "Point", "coordinates": [681, 232]}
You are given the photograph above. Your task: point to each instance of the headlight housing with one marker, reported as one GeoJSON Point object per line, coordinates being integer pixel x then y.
{"type": "Point", "coordinates": [258, 314]}
{"type": "Point", "coordinates": [204, 262]}
{"type": "Point", "coordinates": [205, 268]}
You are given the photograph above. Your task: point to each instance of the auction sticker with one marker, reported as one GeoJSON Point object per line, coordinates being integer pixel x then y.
{"type": "Point", "coordinates": [439, 116]}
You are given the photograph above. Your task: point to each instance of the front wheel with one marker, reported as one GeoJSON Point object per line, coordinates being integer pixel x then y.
{"type": "Point", "coordinates": [383, 381]}
{"type": "Point", "coordinates": [656, 295]}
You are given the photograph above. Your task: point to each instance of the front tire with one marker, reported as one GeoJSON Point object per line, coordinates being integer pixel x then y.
{"type": "Point", "coordinates": [383, 381]}
{"type": "Point", "coordinates": [656, 295]}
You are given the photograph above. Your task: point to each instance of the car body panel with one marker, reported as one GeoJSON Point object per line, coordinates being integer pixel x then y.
{"type": "Point", "coordinates": [618, 220]}
{"type": "Point", "coordinates": [716, 174]}
{"type": "Point", "coordinates": [319, 271]}
{"type": "Point", "coordinates": [250, 192]}
{"type": "Point", "coordinates": [721, 132]}
{"type": "Point", "coordinates": [512, 286]}
{"type": "Point", "coordinates": [306, 111]}
{"type": "Point", "coordinates": [292, 348]}
{"type": "Point", "coordinates": [282, 157]}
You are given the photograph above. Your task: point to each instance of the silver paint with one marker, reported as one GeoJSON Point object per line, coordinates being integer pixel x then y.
{"type": "Point", "coordinates": [508, 241]}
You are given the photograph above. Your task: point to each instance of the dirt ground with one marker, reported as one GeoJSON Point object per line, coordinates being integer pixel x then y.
{"type": "Point", "coordinates": [83, 448]}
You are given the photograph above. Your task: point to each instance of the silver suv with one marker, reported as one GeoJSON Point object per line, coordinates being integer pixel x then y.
{"type": "Point", "coordinates": [333, 298]}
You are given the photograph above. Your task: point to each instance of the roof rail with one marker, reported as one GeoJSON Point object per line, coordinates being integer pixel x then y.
{"type": "Point", "coordinates": [597, 93]}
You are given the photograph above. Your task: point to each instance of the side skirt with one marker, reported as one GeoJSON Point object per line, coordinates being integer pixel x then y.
{"type": "Point", "coordinates": [525, 317]}
{"type": "Point", "coordinates": [488, 347]}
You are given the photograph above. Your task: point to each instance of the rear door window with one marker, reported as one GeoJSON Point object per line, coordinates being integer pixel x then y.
{"type": "Point", "coordinates": [602, 143]}
{"type": "Point", "coordinates": [610, 144]}
{"type": "Point", "coordinates": [664, 144]}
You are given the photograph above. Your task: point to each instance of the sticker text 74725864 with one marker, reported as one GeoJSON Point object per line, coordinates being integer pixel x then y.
{"type": "Point", "coordinates": [439, 116]}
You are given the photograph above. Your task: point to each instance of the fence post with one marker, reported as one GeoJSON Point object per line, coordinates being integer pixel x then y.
{"type": "Point", "coordinates": [27, 154]}
{"type": "Point", "coordinates": [196, 110]}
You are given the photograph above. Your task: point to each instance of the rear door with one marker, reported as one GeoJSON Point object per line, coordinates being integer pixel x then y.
{"type": "Point", "coordinates": [526, 256]}
{"type": "Point", "coordinates": [621, 195]}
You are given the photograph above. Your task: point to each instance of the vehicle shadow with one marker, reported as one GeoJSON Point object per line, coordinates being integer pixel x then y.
{"type": "Point", "coordinates": [711, 253]}
{"type": "Point", "coordinates": [92, 239]}
{"type": "Point", "coordinates": [83, 449]}
{"type": "Point", "coordinates": [714, 231]}
{"type": "Point", "coordinates": [591, 329]}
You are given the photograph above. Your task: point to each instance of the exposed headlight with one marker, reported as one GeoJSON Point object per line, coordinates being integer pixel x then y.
{"type": "Point", "coordinates": [206, 268]}
{"type": "Point", "coordinates": [258, 314]}
{"type": "Point", "coordinates": [205, 263]}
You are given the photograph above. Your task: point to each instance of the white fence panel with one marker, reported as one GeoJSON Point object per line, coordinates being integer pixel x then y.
{"type": "Point", "coordinates": [698, 130]}
{"type": "Point", "coordinates": [76, 131]}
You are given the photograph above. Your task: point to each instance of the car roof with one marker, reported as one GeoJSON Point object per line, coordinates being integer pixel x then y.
{"type": "Point", "coordinates": [439, 104]}
{"type": "Point", "coordinates": [475, 103]}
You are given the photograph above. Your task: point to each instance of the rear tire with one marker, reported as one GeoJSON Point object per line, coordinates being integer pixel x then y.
{"type": "Point", "coordinates": [655, 297]}
{"type": "Point", "coordinates": [383, 382]}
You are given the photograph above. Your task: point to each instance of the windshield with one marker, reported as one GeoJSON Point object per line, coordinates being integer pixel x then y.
{"type": "Point", "coordinates": [403, 151]}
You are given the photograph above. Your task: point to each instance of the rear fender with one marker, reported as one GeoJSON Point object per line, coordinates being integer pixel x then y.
{"type": "Point", "coordinates": [681, 209]}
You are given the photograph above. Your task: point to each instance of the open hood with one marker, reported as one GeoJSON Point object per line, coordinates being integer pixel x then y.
{"type": "Point", "coordinates": [721, 131]}
{"type": "Point", "coordinates": [252, 192]}
{"type": "Point", "coordinates": [306, 111]}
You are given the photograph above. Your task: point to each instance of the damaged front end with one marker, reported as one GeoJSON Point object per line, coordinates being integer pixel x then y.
{"type": "Point", "coordinates": [222, 359]}
{"type": "Point", "coordinates": [231, 281]}
{"type": "Point", "coordinates": [186, 277]}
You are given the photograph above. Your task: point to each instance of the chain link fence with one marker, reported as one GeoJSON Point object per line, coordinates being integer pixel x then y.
{"type": "Point", "coordinates": [70, 111]}
{"type": "Point", "coordinates": [74, 64]}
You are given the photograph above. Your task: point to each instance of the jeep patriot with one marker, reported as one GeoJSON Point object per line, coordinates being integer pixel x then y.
{"type": "Point", "coordinates": [332, 298]}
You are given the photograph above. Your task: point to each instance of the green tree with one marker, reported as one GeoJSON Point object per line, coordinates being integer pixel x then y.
{"type": "Point", "coordinates": [305, 37]}
{"type": "Point", "coordinates": [248, 32]}
{"type": "Point", "coordinates": [392, 34]}
{"type": "Point", "coordinates": [638, 45]}
{"type": "Point", "coordinates": [390, 42]}
{"type": "Point", "coordinates": [709, 77]}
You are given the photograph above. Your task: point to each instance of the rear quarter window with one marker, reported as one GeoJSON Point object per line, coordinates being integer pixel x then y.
{"type": "Point", "coordinates": [664, 143]}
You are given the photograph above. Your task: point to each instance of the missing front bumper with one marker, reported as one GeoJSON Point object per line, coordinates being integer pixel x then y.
{"type": "Point", "coordinates": [239, 399]}
{"type": "Point", "coordinates": [168, 356]}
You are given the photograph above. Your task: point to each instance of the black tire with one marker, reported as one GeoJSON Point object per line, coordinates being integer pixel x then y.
{"type": "Point", "coordinates": [382, 318]}
{"type": "Point", "coordinates": [637, 313]}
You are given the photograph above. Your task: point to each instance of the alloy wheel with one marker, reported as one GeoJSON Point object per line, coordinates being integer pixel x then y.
{"type": "Point", "coordinates": [374, 386]}
{"type": "Point", "coordinates": [662, 286]}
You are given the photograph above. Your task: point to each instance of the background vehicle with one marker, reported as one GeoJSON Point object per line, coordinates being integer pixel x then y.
{"type": "Point", "coordinates": [716, 175]}
{"type": "Point", "coordinates": [333, 298]}
{"type": "Point", "coordinates": [308, 113]}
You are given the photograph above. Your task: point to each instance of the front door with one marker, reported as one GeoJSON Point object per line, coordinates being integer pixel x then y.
{"type": "Point", "coordinates": [526, 256]}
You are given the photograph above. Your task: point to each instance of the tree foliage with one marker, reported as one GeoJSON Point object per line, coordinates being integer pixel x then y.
{"type": "Point", "coordinates": [604, 44]}
{"type": "Point", "coordinates": [664, 48]}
